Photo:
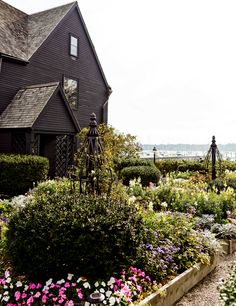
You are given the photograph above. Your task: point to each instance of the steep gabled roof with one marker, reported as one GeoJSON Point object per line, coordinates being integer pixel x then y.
{"type": "Point", "coordinates": [21, 34]}
{"type": "Point", "coordinates": [29, 103]}
{"type": "Point", "coordinates": [13, 31]}
{"type": "Point", "coordinates": [40, 25]}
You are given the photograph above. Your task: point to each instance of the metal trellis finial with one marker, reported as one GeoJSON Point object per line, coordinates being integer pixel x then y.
{"type": "Point", "coordinates": [213, 154]}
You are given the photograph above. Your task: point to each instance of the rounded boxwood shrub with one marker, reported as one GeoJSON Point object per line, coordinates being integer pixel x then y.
{"type": "Point", "coordinates": [81, 234]}
{"type": "Point", "coordinates": [147, 174]}
{"type": "Point", "coordinates": [19, 173]}
{"type": "Point", "coordinates": [131, 162]}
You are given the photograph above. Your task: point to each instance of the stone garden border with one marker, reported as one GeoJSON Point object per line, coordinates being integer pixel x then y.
{"type": "Point", "coordinates": [170, 293]}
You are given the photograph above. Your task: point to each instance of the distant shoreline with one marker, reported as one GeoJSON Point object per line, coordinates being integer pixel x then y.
{"type": "Point", "coordinates": [230, 147]}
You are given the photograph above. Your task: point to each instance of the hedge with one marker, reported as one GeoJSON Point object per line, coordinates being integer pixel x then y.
{"type": "Point", "coordinates": [19, 173]}
{"type": "Point", "coordinates": [131, 162]}
{"type": "Point", "coordinates": [173, 165]}
{"type": "Point", "coordinates": [147, 174]}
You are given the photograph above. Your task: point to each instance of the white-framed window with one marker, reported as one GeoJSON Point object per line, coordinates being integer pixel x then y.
{"type": "Point", "coordinates": [74, 46]}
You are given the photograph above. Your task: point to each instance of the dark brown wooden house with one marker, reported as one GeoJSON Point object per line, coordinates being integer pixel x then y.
{"type": "Point", "coordinates": [50, 82]}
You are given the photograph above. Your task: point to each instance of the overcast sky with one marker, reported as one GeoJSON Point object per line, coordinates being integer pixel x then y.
{"type": "Point", "coordinates": [171, 65]}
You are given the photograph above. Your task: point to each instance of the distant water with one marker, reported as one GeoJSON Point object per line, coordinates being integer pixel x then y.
{"type": "Point", "coordinates": [163, 154]}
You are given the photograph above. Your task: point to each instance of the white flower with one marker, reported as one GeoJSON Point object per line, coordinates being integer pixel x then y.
{"type": "Point", "coordinates": [6, 298]}
{"type": "Point", "coordinates": [103, 284]}
{"type": "Point", "coordinates": [86, 304]}
{"type": "Point", "coordinates": [96, 284]}
{"type": "Point", "coordinates": [111, 281]}
{"type": "Point", "coordinates": [132, 200]}
{"type": "Point", "coordinates": [26, 287]}
{"type": "Point", "coordinates": [8, 280]}
{"type": "Point", "coordinates": [70, 276]}
{"type": "Point", "coordinates": [150, 205]}
{"type": "Point", "coordinates": [108, 293]}
{"type": "Point", "coordinates": [164, 204]}
{"type": "Point", "coordinates": [86, 285]}
{"type": "Point", "coordinates": [112, 301]}
{"type": "Point", "coordinates": [102, 290]}
{"type": "Point", "coordinates": [6, 293]}
{"type": "Point", "coordinates": [11, 286]}
{"type": "Point", "coordinates": [104, 302]}
{"type": "Point", "coordinates": [61, 281]}
{"type": "Point", "coordinates": [18, 284]}
{"type": "Point", "coordinates": [5, 286]}
{"type": "Point", "coordinates": [7, 274]}
{"type": "Point", "coordinates": [48, 283]}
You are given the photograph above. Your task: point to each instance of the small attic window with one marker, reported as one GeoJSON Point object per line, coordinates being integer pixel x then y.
{"type": "Point", "coordinates": [74, 44]}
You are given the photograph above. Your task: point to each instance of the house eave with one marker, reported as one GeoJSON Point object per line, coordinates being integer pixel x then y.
{"type": "Point", "coordinates": [14, 59]}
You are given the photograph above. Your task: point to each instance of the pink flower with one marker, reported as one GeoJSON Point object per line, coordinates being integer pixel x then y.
{"type": "Point", "coordinates": [30, 301]}
{"type": "Point", "coordinates": [69, 303]}
{"type": "Point", "coordinates": [39, 286]}
{"type": "Point", "coordinates": [79, 293]}
{"type": "Point", "coordinates": [125, 290]}
{"type": "Point", "coordinates": [117, 281]}
{"type": "Point", "coordinates": [44, 299]}
{"type": "Point", "coordinates": [139, 288]}
{"type": "Point", "coordinates": [2, 281]}
{"type": "Point", "coordinates": [17, 295]}
{"type": "Point", "coordinates": [67, 285]}
{"type": "Point", "coordinates": [37, 294]}
{"type": "Point", "coordinates": [24, 295]}
{"type": "Point", "coordinates": [32, 286]}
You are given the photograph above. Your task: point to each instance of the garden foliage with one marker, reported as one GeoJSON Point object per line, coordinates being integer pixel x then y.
{"type": "Point", "coordinates": [171, 245]}
{"type": "Point", "coordinates": [227, 288]}
{"type": "Point", "coordinates": [173, 165]}
{"type": "Point", "coordinates": [19, 173]}
{"type": "Point", "coordinates": [59, 232]}
{"type": "Point", "coordinates": [146, 174]}
{"type": "Point", "coordinates": [186, 196]}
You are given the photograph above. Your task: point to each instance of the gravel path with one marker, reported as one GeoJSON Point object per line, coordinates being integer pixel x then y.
{"type": "Point", "coordinates": [205, 293]}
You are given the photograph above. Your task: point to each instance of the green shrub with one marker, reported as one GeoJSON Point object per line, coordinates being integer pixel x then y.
{"type": "Point", "coordinates": [83, 234]}
{"type": "Point", "coordinates": [147, 174]}
{"type": "Point", "coordinates": [173, 165]}
{"type": "Point", "coordinates": [19, 173]}
{"type": "Point", "coordinates": [131, 162]}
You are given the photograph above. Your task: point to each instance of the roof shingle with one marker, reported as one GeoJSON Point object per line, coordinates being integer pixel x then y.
{"type": "Point", "coordinates": [21, 34]}
{"type": "Point", "coordinates": [27, 105]}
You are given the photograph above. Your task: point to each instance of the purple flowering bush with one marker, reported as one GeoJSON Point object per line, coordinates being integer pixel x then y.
{"type": "Point", "coordinates": [171, 245]}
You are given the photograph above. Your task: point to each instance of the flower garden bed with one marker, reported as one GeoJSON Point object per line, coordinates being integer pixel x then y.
{"type": "Point", "coordinates": [170, 293]}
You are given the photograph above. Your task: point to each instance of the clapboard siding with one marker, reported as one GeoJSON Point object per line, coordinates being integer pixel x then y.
{"type": "Point", "coordinates": [51, 117]}
{"type": "Point", "coordinates": [5, 142]}
{"type": "Point", "coordinates": [50, 62]}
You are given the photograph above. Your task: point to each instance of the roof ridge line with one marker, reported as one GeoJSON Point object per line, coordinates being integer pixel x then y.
{"type": "Point", "coordinates": [41, 85]}
{"type": "Point", "coordinates": [52, 8]}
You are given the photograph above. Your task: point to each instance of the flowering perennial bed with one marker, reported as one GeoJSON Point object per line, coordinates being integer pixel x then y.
{"type": "Point", "coordinates": [130, 286]}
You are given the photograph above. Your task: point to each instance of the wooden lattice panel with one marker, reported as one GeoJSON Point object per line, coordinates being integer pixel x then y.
{"type": "Point", "coordinates": [19, 143]}
{"type": "Point", "coordinates": [64, 154]}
